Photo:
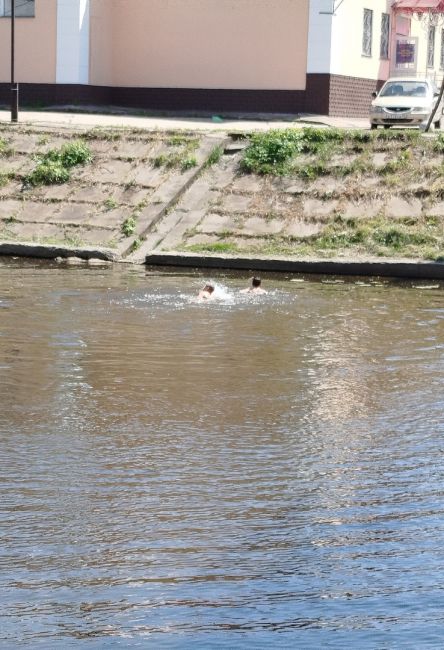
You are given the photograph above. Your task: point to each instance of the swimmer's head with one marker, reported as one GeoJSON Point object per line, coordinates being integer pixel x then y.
{"type": "Point", "coordinates": [256, 282]}
{"type": "Point", "coordinates": [209, 288]}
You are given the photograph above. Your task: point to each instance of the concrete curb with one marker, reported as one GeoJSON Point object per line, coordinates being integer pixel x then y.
{"type": "Point", "coordinates": [392, 268]}
{"type": "Point", "coordinates": [28, 249]}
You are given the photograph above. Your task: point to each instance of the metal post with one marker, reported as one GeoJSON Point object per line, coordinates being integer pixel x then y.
{"type": "Point", "coordinates": [14, 85]}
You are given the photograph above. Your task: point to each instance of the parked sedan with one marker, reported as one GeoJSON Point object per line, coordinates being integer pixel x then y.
{"type": "Point", "coordinates": [405, 102]}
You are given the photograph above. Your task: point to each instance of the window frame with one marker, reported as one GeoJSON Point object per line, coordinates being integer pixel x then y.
{"type": "Point", "coordinates": [6, 13]}
{"type": "Point", "coordinates": [431, 43]}
{"type": "Point", "coordinates": [367, 33]}
{"type": "Point", "coordinates": [384, 50]}
{"type": "Point", "coordinates": [441, 58]}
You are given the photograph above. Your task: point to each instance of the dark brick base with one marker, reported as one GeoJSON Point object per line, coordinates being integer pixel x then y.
{"type": "Point", "coordinates": [324, 95]}
{"type": "Point", "coordinates": [350, 96]}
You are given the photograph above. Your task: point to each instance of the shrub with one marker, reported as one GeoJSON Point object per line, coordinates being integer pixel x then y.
{"type": "Point", "coordinates": [270, 152]}
{"type": "Point", "coordinates": [48, 172]}
{"type": "Point", "coordinates": [53, 166]}
{"type": "Point", "coordinates": [75, 153]}
{"type": "Point", "coordinates": [129, 226]}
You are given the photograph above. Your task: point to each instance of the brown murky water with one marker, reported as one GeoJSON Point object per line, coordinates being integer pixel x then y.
{"type": "Point", "coordinates": [246, 473]}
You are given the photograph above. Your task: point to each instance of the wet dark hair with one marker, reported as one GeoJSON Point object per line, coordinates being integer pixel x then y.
{"type": "Point", "coordinates": [209, 288]}
{"type": "Point", "coordinates": [256, 282]}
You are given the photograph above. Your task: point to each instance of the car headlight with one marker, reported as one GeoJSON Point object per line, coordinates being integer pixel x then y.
{"type": "Point", "coordinates": [377, 109]}
{"type": "Point", "coordinates": [420, 109]}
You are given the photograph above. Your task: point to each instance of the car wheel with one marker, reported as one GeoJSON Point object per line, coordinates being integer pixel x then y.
{"type": "Point", "coordinates": [373, 126]}
{"type": "Point", "coordinates": [386, 126]}
{"type": "Point", "coordinates": [438, 124]}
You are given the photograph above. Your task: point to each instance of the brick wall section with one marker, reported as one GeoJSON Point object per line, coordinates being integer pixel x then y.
{"type": "Point", "coordinates": [171, 99]}
{"type": "Point", "coordinates": [325, 95]}
{"type": "Point", "coordinates": [351, 96]}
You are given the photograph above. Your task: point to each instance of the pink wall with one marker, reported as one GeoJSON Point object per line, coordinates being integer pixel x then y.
{"type": "Point", "coordinates": [250, 44]}
{"type": "Point", "coordinates": [36, 45]}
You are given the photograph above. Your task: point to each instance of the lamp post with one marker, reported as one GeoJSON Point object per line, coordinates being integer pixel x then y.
{"type": "Point", "coordinates": [14, 85]}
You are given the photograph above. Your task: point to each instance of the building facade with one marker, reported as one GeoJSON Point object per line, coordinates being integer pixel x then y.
{"type": "Point", "coordinates": [285, 56]}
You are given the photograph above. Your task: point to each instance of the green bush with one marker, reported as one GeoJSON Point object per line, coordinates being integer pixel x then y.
{"type": "Point", "coordinates": [270, 152]}
{"type": "Point", "coordinates": [48, 172]}
{"type": "Point", "coordinates": [75, 153]}
{"type": "Point", "coordinates": [129, 226]}
{"type": "Point", "coordinates": [54, 165]}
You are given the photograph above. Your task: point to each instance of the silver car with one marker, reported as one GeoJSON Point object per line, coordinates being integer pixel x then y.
{"type": "Point", "coordinates": [405, 102]}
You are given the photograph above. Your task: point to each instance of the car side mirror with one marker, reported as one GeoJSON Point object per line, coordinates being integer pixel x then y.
{"type": "Point", "coordinates": [374, 95]}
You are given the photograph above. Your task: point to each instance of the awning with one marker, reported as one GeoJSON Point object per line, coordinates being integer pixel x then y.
{"type": "Point", "coordinates": [421, 6]}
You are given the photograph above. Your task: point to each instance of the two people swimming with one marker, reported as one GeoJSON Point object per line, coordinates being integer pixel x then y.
{"type": "Point", "coordinates": [207, 293]}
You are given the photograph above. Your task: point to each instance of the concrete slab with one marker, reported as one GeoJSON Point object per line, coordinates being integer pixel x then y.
{"type": "Point", "coordinates": [398, 207]}
{"type": "Point", "coordinates": [316, 208]}
{"type": "Point", "coordinates": [10, 209]}
{"type": "Point", "coordinates": [34, 212]}
{"type": "Point", "coordinates": [75, 213]}
{"type": "Point", "coordinates": [217, 223]}
{"type": "Point", "coordinates": [248, 184]}
{"type": "Point", "coordinates": [257, 226]}
{"type": "Point", "coordinates": [111, 171]}
{"type": "Point", "coordinates": [302, 229]}
{"type": "Point", "coordinates": [198, 197]}
{"type": "Point", "coordinates": [362, 209]}
{"type": "Point", "coordinates": [147, 176]}
{"type": "Point", "coordinates": [93, 193]}
{"type": "Point", "coordinates": [133, 196]}
{"type": "Point", "coordinates": [235, 203]}
{"type": "Point", "coordinates": [436, 210]}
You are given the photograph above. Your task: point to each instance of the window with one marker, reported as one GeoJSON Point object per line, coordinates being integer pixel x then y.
{"type": "Point", "coordinates": [23, 8]}
{"type": "Point", "coordinates": [431, 47]}
{"type": "Point", "coordinates": [441, 63]}
{"type": "Point", "coordinates": [367, 36]}
{"type": "Point", "coordinates": [385, 36]}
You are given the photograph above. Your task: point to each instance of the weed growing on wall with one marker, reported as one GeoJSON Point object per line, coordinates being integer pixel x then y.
{"type": "Point", "coordinates": [53, 167]}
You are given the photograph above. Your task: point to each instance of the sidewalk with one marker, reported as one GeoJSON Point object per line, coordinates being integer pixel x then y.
{"type": "Point", "coordinates": [66, 119]}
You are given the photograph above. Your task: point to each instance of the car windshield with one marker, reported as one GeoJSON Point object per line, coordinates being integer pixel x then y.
{"type": "Point", "coordinates": [405, 89]}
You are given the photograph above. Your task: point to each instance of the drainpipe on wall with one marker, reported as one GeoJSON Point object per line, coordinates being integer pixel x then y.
{"type": "Point", "coordinates": [14, 85]}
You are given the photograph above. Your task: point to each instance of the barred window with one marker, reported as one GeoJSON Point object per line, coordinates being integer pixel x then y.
{"type": "Point", "coordinates": [385, 36]}
{"type": "Point", "coordinates": [431, 47]}
{"type": "Point", "coordinates": [367, 36]}
{"type": "Point", "coordinates": [441, 63]}
{"type": "Point", "coordinates": [23, 8]}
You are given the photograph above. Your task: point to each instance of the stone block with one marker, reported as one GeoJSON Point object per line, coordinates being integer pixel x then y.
{"type": "Point", "coordinates": [235, 203]}
{"type": "Point", "coordinates": [302, 229]}
{"type": "Point", "coordinates": [258, 226]}
{"type": "Point", "coordinates": [58, 192]}
{"type": "Point", "coordinates": [248, 184]}
{"type": "Point", "coordinates": [111, 171]}
{"type": "Point", "coordinates": [92, 194]}
{"type": "Point", "coordinates": [34, 212]}
{"type": "Point", "coordinates": [131, 195]}
{"type": "Point", "coordinates": [198, 196]}
{"type": "Point", "coordinates": [361, 210]}
{"type": "Point", "coordinates": [75, 213]}
{"type": "Point", "coordinates": [217, 223]}
{"type": "Point", "coordinates": [315, 208]}
{"type": "Point", "coordinates": [435, 210]}
{"type": "Point", "coordinates": [147, 176]}
{"type": "Point", "coordinates": [10, 209]}
{"type": "Point", "coordinates": [398, 207]}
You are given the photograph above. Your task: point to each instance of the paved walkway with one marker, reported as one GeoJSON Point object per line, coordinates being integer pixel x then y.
{"type": "Point", "coordinates": [174, 123]}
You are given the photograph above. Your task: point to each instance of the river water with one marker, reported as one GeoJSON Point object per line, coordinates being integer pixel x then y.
{"type": "Point", "coordinates": [256, 472]}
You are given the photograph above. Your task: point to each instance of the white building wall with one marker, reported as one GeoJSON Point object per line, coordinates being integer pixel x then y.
{"type": "Point", "coordinates": [347, 35]}
{"type": "Point", "coordinates": [319, 37]}
{"type": "Point", "coordinates": [73, 41]}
